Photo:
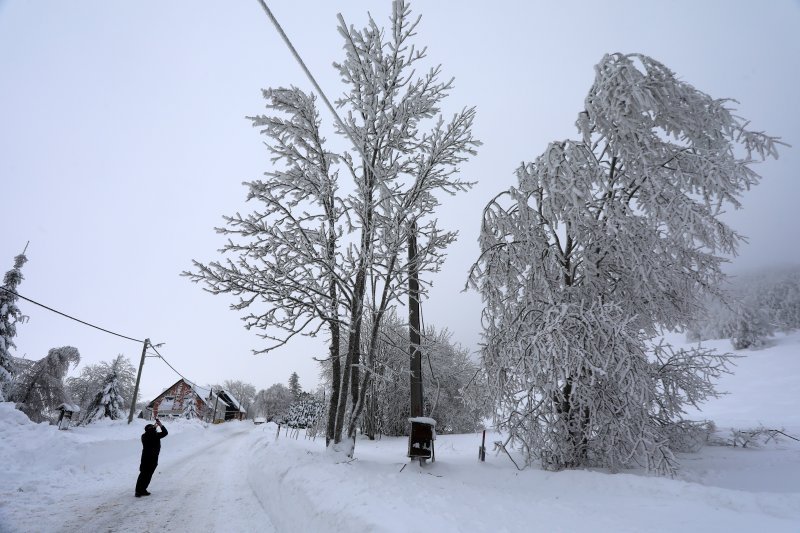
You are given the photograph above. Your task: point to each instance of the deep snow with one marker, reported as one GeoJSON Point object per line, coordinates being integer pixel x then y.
{"type": "Point", "coordinates": [240, 477]}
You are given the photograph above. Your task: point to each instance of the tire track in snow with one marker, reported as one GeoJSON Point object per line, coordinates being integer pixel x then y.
{"type": "Point", "coordinates": [205, 489]}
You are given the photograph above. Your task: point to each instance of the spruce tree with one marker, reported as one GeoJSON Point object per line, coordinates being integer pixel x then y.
{"type": "Point", "coordinates": [294, 386]}
{"type": "Point", "coordinates": [9, 316]}
{"type": "Point", "coordinates": [189, 407]}
{"type": "Point", "coordinates": [110, 401]}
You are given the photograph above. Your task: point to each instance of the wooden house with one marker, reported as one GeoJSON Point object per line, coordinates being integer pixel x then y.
{"type": "Point", "coordinates": [184, 399]}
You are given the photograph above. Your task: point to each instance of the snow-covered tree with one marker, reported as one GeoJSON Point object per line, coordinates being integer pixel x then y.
{"type": "Point", "coordinates": [316, 257]}
{"type": "Point", "coordinates": [448, 375]}
{"type": "Point", "coordinates": [294, 385]}
{"type": "Point", "coordinates": [304, 411]}
{"type": "Point", "coordinates": [273, 402]}
{"type": "Point", "coordinates": [114, 393]}
{"type": "Point", "coordinates": [10, 315]}
{"type": "Point", "coordinates": [606, 240]}
{"type": "Point", "coordinates": [83, 388]}
{"type": "Point", "coordinates": [39, 389]}
{"type": "Point", "coordinates": [189, 407]}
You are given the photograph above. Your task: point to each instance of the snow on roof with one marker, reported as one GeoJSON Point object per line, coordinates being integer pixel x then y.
{"type": "Point", "coordinates": [69, 407]}
{"type": "Point", "coordinates": [227, 397]}
{"type": "Point", "coordinates": [202, 392]}
{"type": "Point", "coordinates": [423, 420]}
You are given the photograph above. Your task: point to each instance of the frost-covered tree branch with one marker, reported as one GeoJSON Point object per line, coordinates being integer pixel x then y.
{"type": "Point", "coordinates": [311, 256]}
{"type": "Point", "coordinates": [605, 241]}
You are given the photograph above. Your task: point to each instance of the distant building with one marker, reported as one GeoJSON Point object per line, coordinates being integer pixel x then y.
{"type": "Point", "coordinates": [187, 400]}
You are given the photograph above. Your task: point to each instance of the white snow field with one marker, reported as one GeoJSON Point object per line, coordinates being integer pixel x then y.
{"type": "Point", "coordinates": [237, 477]}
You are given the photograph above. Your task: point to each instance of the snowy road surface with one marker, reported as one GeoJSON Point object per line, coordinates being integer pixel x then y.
{"type": "Point", "coordinates": [199, 490]}
{"type": "Point", "coordinates": [200, 485]}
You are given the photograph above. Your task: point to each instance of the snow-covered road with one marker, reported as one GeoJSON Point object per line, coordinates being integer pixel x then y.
{"type": "Point", "coordinates": [201, 485]}
{"type": "Point", "coordinates": [202, 488]}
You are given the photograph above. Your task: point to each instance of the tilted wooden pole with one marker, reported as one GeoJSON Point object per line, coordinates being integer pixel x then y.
{"type": "Point", "coordinates": [138, 378]}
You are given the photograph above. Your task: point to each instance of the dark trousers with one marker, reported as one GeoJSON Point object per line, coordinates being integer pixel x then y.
{"type": "Point", "coordinates": [145, 475]}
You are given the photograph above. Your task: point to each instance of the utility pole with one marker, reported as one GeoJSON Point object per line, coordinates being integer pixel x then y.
{"type": "Point", "coordinates": [414, 323]}
{"type": "Point", "coordinates": [138, 378]}
{"type": "Point", "coordinates": [214, 413]}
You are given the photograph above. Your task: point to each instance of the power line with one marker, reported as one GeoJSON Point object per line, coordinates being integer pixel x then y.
{"type": "Point", "coordinates": [172, 367]}
{"type": "Point", "coordinates": [70, 317]}
{"type": "Point", "coordinates": [316, 85]}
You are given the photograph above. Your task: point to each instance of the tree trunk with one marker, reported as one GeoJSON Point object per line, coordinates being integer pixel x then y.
{"type": "Point", "coordinates": [414, 324]}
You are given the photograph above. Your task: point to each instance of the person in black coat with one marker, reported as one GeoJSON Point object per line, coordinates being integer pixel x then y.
{"type": "Point", "coordinates": [151, 447]}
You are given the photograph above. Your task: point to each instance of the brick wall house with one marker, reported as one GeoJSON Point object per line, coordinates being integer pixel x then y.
{"type": "Point", "coordinates": [176, 400]}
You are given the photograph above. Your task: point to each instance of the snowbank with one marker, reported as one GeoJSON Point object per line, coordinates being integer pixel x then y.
{"type": "Point", "coordinates": [239, 477]}
{"type": "Point", "coordinates": [304, 491]}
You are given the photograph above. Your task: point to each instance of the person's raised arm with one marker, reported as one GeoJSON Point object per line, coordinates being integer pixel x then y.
{"type": "Point", "coordinates": [164, 431]}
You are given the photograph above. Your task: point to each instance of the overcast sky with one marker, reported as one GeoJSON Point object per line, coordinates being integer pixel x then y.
{"type": "Point", "coordinates": [123, 142]}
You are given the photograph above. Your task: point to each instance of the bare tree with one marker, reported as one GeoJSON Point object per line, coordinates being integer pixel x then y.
{"type": "Point", "coordinates": [273, 402]}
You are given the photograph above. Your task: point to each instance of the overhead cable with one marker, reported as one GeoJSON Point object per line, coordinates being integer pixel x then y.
{"type": "Point", "coordinates": [69, 316]}
{"type": "Point", "coordinates": [172, 367]}
{"type": "Point", "coordinates": [316, 85]}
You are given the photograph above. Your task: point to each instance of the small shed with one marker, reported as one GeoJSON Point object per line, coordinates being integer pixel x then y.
{"type": "Point", "coordinates": [233, 409]}
{"type": "Point", "coordinates": [67, 410]}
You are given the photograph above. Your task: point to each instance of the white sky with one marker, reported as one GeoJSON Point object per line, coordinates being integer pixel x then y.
{"type": "Point", "coordinates": [123, 142]}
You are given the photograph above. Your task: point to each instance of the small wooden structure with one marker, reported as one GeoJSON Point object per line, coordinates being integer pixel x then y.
{"type": "Point", "coordinates": [421, 439]}
{"type": "Point", "coordinates": [65, 417]}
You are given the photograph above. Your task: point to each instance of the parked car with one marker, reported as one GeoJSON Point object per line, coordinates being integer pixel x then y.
{"type": "Point", "coordinates": [259, 420]}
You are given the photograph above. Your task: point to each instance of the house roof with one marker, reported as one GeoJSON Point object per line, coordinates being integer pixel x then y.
{"type": "Point", "coordinates": [228, 398]}
{"type": "Point", "coordinates": [203, 394]}
{"type": "Point", "coordinates": [207, 395]}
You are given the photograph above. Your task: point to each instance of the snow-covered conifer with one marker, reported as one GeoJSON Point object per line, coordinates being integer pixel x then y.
{"type": "Point", "coordinates": [83, 388]}
{"type": "Point", "coordinates": [294, 385]}
{"type": "Point", "coordinates": [111, 399]}
{"type": "Point", "coordinates": [189, 407]}
{"type": "Point", "coordinates": [606, 240]}
{"type": "Point", "coordinates": [10, 315]}
{"type": "Point", "coordinates": [305, 411]}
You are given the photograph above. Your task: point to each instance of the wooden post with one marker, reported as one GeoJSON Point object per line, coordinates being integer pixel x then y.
{"type": "Point", "coordinates": [414, 323]}
{"type": "Point", "coordinates": [138, 378]}
{"type": "Point", "coordinates": [482, 450]}
{"type": "Point", "coordinates": [214, 413]}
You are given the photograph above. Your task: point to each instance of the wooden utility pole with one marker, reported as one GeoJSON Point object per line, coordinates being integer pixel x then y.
{"type": "Point", "coordinates": [214, 413]}
{"type": "Point", "coordinates": [414, 323]}
{"type": "Point", "coordinates": [138, 378]}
